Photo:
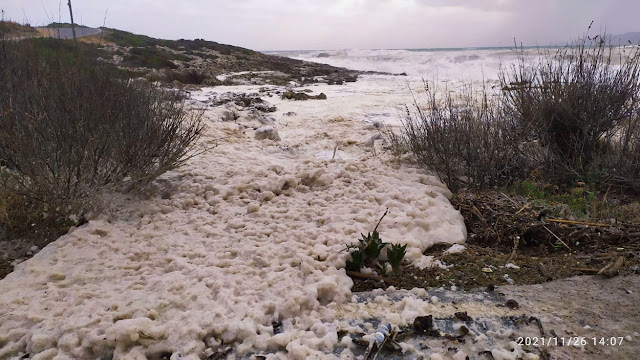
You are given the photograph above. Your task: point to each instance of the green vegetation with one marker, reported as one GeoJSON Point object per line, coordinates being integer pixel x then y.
{"type": "Point", "coordinates": [11, 29]}
{"type": "Point", "coordinates": [57, 25]}
{"type": "Point", "coordinates": [124, 38]}
{"type": "Point", "coordinates": [396, 255]}
{"type": "Point", "coordinates": [152, 57]}
{"type": "Point", "coordinates": [579, 202]}
{"type": "Point", "coordinates": [368, 249]}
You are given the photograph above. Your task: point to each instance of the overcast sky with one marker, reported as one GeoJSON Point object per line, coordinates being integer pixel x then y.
{"type": "Point", "coordinates": [340, 24]}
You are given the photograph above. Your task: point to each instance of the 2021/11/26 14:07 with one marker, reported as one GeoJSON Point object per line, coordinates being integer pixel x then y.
{"type": "Point", "coordinates": [571, 341]}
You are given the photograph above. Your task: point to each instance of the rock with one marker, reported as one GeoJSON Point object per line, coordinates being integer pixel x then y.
{"type": "Point", "coordinates": [290, 113]}
{"type": "Point", "coordinates": [292, 95]}
{"type": "Point", "coordinates": [267, 120]}
{"type": "Point", "coordinates": [323, 55]}
{"type": "Point", "coordinates": [267, 133]}
{"type": "Point", "coordinates": [227, 115]}
{"type": "Point", "coordinates": [254, 119]}
{"type": "Point", "coordinates": [372, 140]}
{"type": "Point", "coordinates": [265, 107]}
{"type": "Point", "coordinates": [512, 304]}
{"type": "Point", "coordinates": [423, 324]}
{"type": "Point", "coordinates": [264, 120]}
{"type": "Point", "coordinates": [462, 315]}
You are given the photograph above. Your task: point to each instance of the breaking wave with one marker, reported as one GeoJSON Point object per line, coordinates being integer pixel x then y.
{"type": "Point", "coordinates": [469, 64]}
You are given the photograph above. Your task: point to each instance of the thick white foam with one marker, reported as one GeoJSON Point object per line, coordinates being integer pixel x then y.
{"type": "Point", "coordinates": [250, 233]}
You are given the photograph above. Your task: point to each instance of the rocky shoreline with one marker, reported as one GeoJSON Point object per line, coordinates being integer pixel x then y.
{"type": "Point", "coordinates": [208, 63]}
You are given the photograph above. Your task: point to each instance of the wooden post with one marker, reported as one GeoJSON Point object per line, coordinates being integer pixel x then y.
{"type": "Point", "coordinates": [73, 27]}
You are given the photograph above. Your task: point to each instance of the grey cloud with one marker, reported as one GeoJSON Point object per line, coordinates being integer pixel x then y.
{"type": "Point", "coordinates": [314, 24]}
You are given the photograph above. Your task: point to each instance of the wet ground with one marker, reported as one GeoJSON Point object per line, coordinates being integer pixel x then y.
{"type": "Point", "coordinates": [548, 248]}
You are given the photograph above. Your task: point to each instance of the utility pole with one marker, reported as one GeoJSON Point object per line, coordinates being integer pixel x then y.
{"type": "Point", "coordinates": [73, 27]}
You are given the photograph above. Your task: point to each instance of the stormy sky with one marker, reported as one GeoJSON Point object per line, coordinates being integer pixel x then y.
{"type": "Point", "coordinates": [340, 24]}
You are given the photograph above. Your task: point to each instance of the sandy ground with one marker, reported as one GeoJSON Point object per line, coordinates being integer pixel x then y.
{"type": "Point", "coordinates": [244, 246]}
{"type": "Point", "coordinates": [588, 307]}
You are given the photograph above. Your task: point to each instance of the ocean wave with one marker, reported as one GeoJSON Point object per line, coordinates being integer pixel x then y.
{"type": "Point", "coordinates": [470, 64]}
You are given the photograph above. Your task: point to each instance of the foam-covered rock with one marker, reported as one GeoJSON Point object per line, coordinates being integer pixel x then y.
{"type": "Point", "coordinates": [227, 115]}
{"type": "Point", "coordinates": [267, 133]}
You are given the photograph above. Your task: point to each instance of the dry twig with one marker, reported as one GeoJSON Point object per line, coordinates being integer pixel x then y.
{"type": "Point", "coordinates": [558, 238]}
{"type": "Point", "coordinates": [572, 222]}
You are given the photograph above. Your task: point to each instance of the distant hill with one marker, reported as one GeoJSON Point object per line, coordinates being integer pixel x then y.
{"type": "Point", "coordinates": [623, 39]}
{"type": "Point", "coordinates": [10, 29]}
{"type": "Point", "coordinates": [201, 61]}
{"type": "Point", "coordinates": [198, 61]}
{"type": "Point", "coordinates": [56, 25]}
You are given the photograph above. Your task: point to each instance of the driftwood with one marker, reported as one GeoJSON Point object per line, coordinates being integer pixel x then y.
{"type": "Point", "coordinates": [557, 237]}
{"type": "Point", "coordinates": [590, 270]}
{"type": "Point", "coordinates": [613, 267]}
{"type": "Point", "coordinates": [544, 272]}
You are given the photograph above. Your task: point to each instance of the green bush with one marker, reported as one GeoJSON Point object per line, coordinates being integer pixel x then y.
{"type": "Point", "coordinates": [69, 126]}
{"type": "Point", "coordinates": [152, 57]}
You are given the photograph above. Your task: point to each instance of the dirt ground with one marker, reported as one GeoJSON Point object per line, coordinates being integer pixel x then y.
{"type": "Point", "coordinates": [601, 311]}
{"type": "Point", "coordinates": [15, 249]}
{"type": "Point", "coordinates": [547, 247]}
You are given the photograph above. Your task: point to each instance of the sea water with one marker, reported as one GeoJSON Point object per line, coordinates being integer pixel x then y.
{"type": "Point", "coordinates": [469, 64]}
{"type": "Point", "coordinates": [399, 76]}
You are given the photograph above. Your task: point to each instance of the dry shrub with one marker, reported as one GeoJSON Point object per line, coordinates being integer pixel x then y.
{"type": "Point", "coordinates": [580, 105]}
{"type": "Point", "coordinates": [189, 76]}
{"type": "Point", "coordinates": [69, 127]}
{"type": "Point", "coordinates": [571, 115]}
{"type": "Point", "coordinates": [617, 162]}
{"type": "Point", "coordinates": [462, 138]}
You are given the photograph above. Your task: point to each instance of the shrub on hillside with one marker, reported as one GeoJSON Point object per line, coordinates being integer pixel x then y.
{"type": "Point", "coordinates": [190, 76]}
{"type": "Point", "coordinates": [70, 126]}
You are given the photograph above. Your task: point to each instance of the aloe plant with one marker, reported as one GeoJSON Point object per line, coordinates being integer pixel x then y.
{"type": "Point", "coordinates": [396, 255]}
{"type": "Point", "coordinates": [372, 245]}
{"type": "Point", "coordinates": [357, 261]}
{"type": "Point", "coordinates": [367, 250]}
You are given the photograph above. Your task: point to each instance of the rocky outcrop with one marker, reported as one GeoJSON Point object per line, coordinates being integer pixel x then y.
{"type": "Point", "coordinates": [267, 133]}
{"type": "Point", "coordinates": [293, 95]}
